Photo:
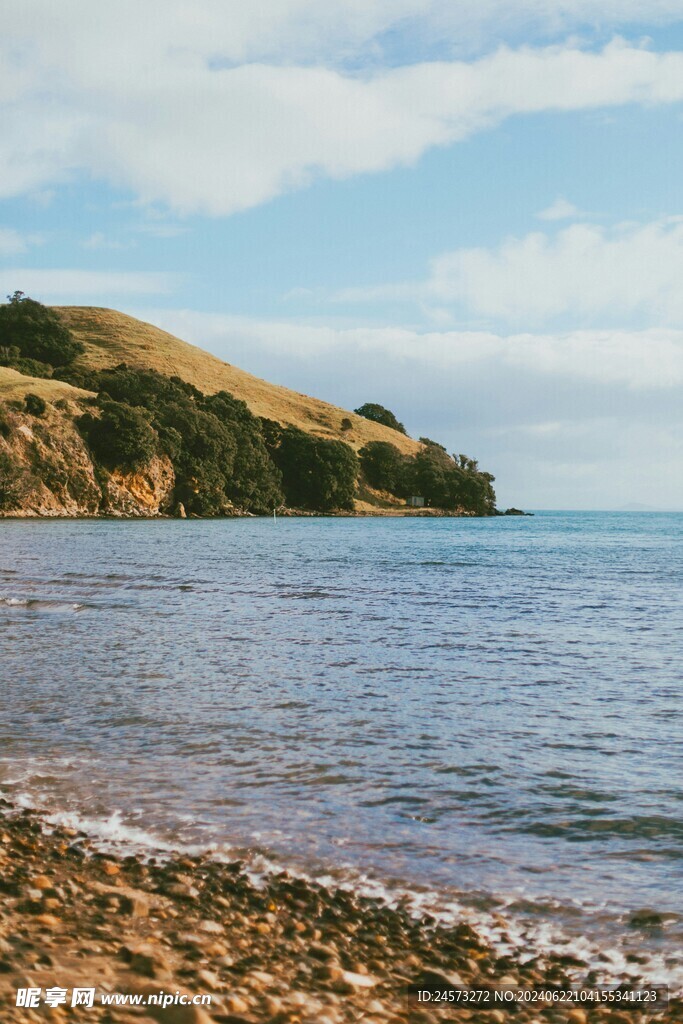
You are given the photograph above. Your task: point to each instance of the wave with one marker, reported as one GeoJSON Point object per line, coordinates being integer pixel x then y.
{"type": "Point", "coordinates": [42, 604]}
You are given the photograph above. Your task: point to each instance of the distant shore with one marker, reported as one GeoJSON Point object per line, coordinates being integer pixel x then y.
{"type": "Point", "coordinates": [281, 949]}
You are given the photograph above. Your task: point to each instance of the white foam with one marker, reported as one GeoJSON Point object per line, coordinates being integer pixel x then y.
{"type": "Point", "coordinates": [40, 604]}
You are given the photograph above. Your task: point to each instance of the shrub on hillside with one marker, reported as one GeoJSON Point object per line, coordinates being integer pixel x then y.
{"type": "Point", "coordinates": [255, 482]}
{"type": "Point", "coordinates": [35, 332]}
{"type": "Point", "coordinates": [444, 481]}
{"type": "Point", "coordinates": [447, 482]}
{"type": "Point", "coordinates": [5, 425]}
{"type": "Point", "coordinates": [378, 414]}
{"type": "Point", "coordinates": [34, 404]}
{"type": "Point", "coordinates": [215, 443]}
{"type": "Point", "coordinates": [431, 444]}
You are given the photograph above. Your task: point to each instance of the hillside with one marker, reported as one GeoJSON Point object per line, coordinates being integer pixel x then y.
{"type": "Point", "coordinates": [111, 338]}
{"type": "Point", "coordinates": [165, 428]}
{"type": "Point", "coordinates": [14, 385]}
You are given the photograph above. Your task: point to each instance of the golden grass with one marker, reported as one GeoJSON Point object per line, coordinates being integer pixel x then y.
{"type": "Point", "coordinates": [111, 338]}
{"type": "Point", "coordinates": [15, 385]}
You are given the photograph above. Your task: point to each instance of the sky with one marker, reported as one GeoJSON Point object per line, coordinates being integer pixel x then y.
{"type": "Point", "coordinates": [469, 212]}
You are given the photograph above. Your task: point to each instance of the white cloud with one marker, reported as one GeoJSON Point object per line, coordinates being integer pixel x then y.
{"type": "Point", "coordinates": [13, 242]}
{"type": "Point", "coordinates": [211, 112]}
{"type": "Point", "coordinates": [98, 240]}
{"type": "Point", "coordinates": [67, 285]}
{"type": "Point", "coordinates": [637, 360]}
{"type": "Point", "coordinates": [94, 37]}
{"type": "Point", "coordinates": [561, 209]}
{"type": "Point", "coordinates": [584, 273]}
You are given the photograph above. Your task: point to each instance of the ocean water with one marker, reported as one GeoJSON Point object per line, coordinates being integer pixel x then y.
{"type": "Point", "coordinates": [481, 711]}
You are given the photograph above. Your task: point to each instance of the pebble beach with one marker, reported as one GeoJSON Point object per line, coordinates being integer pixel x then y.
{"type": "Point", "coordinates": [282, 949]}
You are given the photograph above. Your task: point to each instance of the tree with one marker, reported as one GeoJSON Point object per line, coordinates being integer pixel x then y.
{"type": "Point", "coordinates": [316, 473]}
{"type": "Point", "coordinates": [255, 482]}
{"type": "Point", "coordinates": [36, 332]}
{"type": "Point", "coordinates": [378, 414]}
{"type": "Point", "coordinates": [121, 437]}
{"type": "Point", "coordinates": [432, 444]}
{"type": "Point", "coordinates": [384, 467]}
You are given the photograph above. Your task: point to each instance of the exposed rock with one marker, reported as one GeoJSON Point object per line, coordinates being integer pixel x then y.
{"type": "Point", "coordinates": [435, 978]}
{"type": "Point", "coordinates": [145, 492]}
{"type": "Point", "coordinates": [646, 918]}
{"type": "Point", "coordinates": [322, 952]}
{"type": "Point", "coordinates": [56, 476]}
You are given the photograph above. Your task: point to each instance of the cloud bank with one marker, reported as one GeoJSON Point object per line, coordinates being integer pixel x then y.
{"type": "Point", "coordinates": [583, 274]}
{"type": "Point", "coordinates": [213, 109]}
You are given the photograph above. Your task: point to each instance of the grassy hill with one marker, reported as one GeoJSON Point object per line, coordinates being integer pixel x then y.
{"type": "Point", "coordinates": [15, 385]}
{"type": "Point", "coordinates": [110, 338]}
{"type": "Point", "coordinates": [170, 428]}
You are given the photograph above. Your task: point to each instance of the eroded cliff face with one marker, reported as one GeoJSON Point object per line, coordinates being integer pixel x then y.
{"type": "Point", "coordinates": [46, 470]}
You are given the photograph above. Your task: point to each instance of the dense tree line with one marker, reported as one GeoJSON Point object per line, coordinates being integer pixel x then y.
{"type": "Point", "coordinates": [445, 481]}
{"type": "Point", "coordinates": [316, 473]}
{"type": "Point", "coordinates": [221, 452]}
{"type": "Point", "coordinates": [215, 443]}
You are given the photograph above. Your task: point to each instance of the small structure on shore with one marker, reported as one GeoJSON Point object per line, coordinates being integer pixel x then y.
{"type": "Point", "coordinates": [415, 501]}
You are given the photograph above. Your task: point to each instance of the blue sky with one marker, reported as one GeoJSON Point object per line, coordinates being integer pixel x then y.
{"type": "Point", "coordinates": [473, 216]}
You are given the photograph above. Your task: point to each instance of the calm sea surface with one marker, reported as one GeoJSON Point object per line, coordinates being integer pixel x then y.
{"type": "Point", "coordinates": [482, 706]}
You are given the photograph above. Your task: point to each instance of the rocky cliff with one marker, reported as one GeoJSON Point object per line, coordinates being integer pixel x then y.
{"type": "Point", "coordinates": [46, 468]}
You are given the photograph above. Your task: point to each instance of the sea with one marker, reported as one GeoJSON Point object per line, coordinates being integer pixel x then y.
{"type": "Point", "coordinates": [480, 718]}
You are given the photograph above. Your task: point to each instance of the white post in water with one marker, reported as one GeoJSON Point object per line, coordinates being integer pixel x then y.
{"type": "Point", "coordinates": [274, 516]}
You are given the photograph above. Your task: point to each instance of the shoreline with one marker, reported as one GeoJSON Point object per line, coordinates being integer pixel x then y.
{"type": "Point", "coordinates": [284, 949]}
{"type": "Point", "coordinates": [386, 513]}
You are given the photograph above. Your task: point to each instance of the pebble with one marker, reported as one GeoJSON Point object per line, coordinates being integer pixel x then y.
{"type": "Point", "coordinates": [209, 979]}
{"type": "Point", "coordinates": [183, 890]}
{"type": "Point", "coordinates": [321, 952]}
{"type": "Point", "coordinates": [180, 1015]}
{"type": "Point", "coordinates": [260, 980]}
{"type": "Point", "coordinates": [134, 905]}
{"type": "Point", "coordinates": [211, 927]}
{"type": "Point", "coordinates": [434, 977]}
{"type": "Point", "coordinates": [236, 1004]}
{"type": "Point", "coordinates": [48, 920]}
{"type": "Point", "coordinates": [272, 1005]}
{"type": "Point", "coordinates": [351, 982]}
{"type": "Point", "coordinates": [150, 965]}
